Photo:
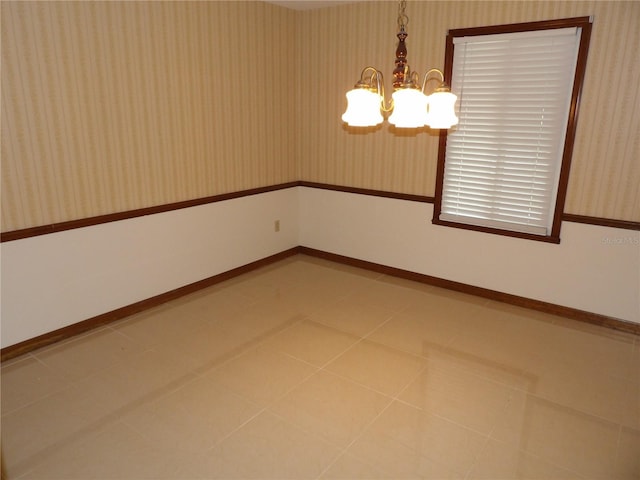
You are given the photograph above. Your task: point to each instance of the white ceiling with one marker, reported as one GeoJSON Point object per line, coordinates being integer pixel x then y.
{"type": "Point", "coordinates": [308, 4]}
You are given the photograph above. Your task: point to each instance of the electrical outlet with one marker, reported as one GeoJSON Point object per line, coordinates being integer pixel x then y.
{"type": "Point", "coordinates": [276, 225]}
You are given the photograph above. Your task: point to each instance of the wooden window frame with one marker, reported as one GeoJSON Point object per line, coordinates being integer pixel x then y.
{"type": "Point", "coordinates": [585, 23]}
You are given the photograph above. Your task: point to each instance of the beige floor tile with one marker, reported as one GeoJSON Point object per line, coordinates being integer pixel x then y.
{"type": "Point", "coordinates": [310, 299]}
{"type": "Point", "coordinates": [508, 323]}
{"type": "Point", "coordinates": [440, 292]}
{"type": "Point", "coordinates": [399, 460]}
{"type": "Point", "coordinates": [262, 319]}
{"type": "Point", "coordinates": [267, 447]}
{"type": "Point", "coordinates": [590, 391]}
{"type": "Point", "coordinates": [456, 307]}
{"type": "Point", "coordinates": [158, 326]}
{"type": "Point", "coordinates": [501, 461]}
{"type": "Point", "coordinates": [388, 296]}
{"type": "Point", "coordinates": [260, 289]}
{"type": "Point", "coordinates": [139, 380]}
{"type": "Point", "coordinates": [32, 432]}
{"type": "Point", "coordinates": [164, 323]}
{"type": "Point", "coordinates": [312, 277]}
{"type": "Point", "coordinates": [381, 368]}
{"type": "Point", "coordinates": [211, 346]}
{"type": "Point", "coordinates": [406, 283]}
{"type": "Point", "coordinates": [460, 396]}
{"type": "Point", "coordinates": [299, 270]}
{"type": "Point", "coordinates": [193, 418]}
{"type": "Point", "coordinates": [353, 316]}
{"type": "Point", "coordinates": [593, 329]}
{"type": "Point", "coordinates": [439, 440]}
{"type": "Point", "coordinates": [356, 271]}
{"type": "Point", "coordinates": [114, 452]}
{"type": "Point", "coordinates": [504, 338]}
{"type": "Point", "coordinates": [633, 396]}
{"type": "Point", "coordinates": [312, 342]}
{"type": "Point", "coordinates": [418, 335]}
{"type": "Point", "coordinates": [635, 363]}
{"type": "Point", "coordinates": [344, 278]}
{"type": "Point", "coordinates": [347, 467]}
{"type": "Point", "coordinates": [628, 459]}
{"type": "Point", "coordinates": [590, 350]}
{"type": "Point", "coordinates": [560, 435]}
{"type": "Point", "coordinates": [485, 367]}
{"type": "Point", "coordinates": [331, 407]}
{"type": "Point", "coordinates": [27, 380]}
{"type": "Point", "coordinates": [262, 375]}
{"type": "Point", "coordinates": [89, 353]}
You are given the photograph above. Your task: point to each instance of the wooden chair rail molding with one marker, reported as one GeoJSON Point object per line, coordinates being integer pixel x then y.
{"type": "Point", "coordinates": [114, 217]}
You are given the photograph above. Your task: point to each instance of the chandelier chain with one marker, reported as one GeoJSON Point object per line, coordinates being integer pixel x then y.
{"type": "Point", "coordinates": [403, 19]}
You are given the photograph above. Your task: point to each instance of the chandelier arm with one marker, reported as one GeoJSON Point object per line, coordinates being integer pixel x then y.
{"type": "Point", "coordinates": [383, 99]}
{"type": "Point", "coordinates": [364, 80]}
{"type": "Point", "coordinates": [426, 77]}
{"type": "Point", "coordinates": [414, 79]}
{"type": "Point", "coordinates": [376, 76]}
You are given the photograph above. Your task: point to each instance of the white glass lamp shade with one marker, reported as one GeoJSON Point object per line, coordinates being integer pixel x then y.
{"type": "Point", "coordinates": [409, 108]}
{"type": "Point", "coordinates": [441, 110]}
{"type": "Point", "coordinates": [363, 108]}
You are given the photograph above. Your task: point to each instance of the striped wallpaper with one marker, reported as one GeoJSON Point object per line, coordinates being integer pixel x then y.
{"type": "Point", "coordinates": [336, 43]}
{"type": "Point", "coordinates": [111, 106]}
{"type": "Point", "coordinates": [114, 106]}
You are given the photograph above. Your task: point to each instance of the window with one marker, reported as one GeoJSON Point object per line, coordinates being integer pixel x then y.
{"type": "Point", "coordinates": [504, 168]}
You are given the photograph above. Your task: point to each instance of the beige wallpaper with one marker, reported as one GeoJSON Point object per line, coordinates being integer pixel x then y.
{"type": "Point", "coordinates": [336, 43]}
{"type": "Point", "coordinates": [113, 106]}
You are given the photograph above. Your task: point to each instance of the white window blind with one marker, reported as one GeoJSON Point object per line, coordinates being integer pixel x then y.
{"type": "Point", "coordinates": [503, 161]}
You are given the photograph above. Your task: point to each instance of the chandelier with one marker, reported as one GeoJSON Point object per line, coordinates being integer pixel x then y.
{"type": "Point", "coordinates": [410, 107]}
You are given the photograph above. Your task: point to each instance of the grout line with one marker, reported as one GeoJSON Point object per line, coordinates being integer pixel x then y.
{"type": "Point", "coordinates": [504, 411]}
{"type": "Point", "coordinates": [358, 436]}
{"type": "Point", "coordinates": [266, 409]}
{"type": "Point", "coordinates": [392, 399]}
{"type": "Point", "coordinates": [618, 444]}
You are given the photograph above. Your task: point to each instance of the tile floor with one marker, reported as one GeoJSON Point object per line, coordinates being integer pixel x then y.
{"type": "Point", "coordinates": [311, 369]}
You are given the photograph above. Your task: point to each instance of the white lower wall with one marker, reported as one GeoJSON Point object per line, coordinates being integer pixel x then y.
{"type": "Point", "coordinates": [55, 280]}
{"type": "Point", "coordinates": [594, 268]}
{"type": "Point", "coordinates": [52, 281]}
